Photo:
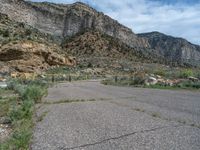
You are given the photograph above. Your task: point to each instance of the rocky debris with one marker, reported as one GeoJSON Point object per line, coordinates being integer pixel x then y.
{"type": "Point", "coordinates": [68, 20]}
{"type": "Point", "coordinates": [3, 85]}
{"type": "Point", "coordinates": [5, 131]}
{"type": "Point", "coordinates": [151, 81]}
{"type": "Point", "coordinates": [168, 82]}
{"type": "Point", "coordinates": [156, 79]}
{"type": "Point", "coordinates": [29, 56]}
{"type": "Point", "coordinates": [101, 47]}
{"type": "Point", "coordinates": [5, 120]}
{"type": "Point", "coordinates": [193, 79]}
{"type": "Point", "coordinates": [65, 21]}
{"type": "Point", "coordinates": [2, 79]}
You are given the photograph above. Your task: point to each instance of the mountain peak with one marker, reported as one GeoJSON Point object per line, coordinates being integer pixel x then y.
{"type": "Point", "coordinates": [80, 3]}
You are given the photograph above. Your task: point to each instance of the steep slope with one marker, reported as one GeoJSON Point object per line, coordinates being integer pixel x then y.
{"type": "Point", "coordinates": [64, 21]}
{"type": "Point", "coordinates": [174, 49]}
{"type": "Point", "coordinates": [68, 20]}
{"type": "Point", "coordinates": [95, 46]}
{"type": "Point", "coordinates": [25, 49]}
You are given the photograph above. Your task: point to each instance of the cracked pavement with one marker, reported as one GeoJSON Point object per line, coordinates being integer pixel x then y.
{"type": "Point", "coordinates": [86, 115]}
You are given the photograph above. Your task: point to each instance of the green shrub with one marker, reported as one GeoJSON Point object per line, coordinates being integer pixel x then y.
{"type": "Point", "coordinates": [20, 139]}
{"type": "Point", "coordinates": [190, 84]}
{"type": "Point", "coordinates": [138, 81]}
{"type": "Point", "coordinates": [6, 33]}
{"type": "Point", "coordinates": [34, 92]}
{"type": "Point", "coordinates": [160, 72]}
{"type": "Point", "coordinates": [28, 32]}
{"type": "Point", "coordinates": [186, 73]}
{"type": "Point", "coordinates": [23, 111]}
{"type": "Point", "coordinates": [197, 74]}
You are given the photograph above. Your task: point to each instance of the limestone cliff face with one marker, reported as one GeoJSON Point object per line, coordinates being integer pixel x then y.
{"type": "Point", "coordinates": [46, 20]}
{"type": "Point", "coordinates": [174, 49]}
{"type": "Point", "coordinates": [25, 49]}
{"type": "Point", "coordinates": [64, 21]}
{"type": "Point", "coordinates": [67, 20]}
{"type": "Point", "coordinates": [80, 17]}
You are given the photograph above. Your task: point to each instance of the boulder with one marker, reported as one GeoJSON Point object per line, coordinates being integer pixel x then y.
{"type": "Point", "coordinates": [193, 79]}
{"type": "Point", "coordinates": [151, 81]}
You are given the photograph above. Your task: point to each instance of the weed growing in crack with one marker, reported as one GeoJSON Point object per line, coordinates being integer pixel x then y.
{"type": "Point", "coordinates": [40, 118]}
{"type": "Point", "coordinates": [156, 115]}
{"type": "Point", "coordinates": [182, 121]}
{"type": "Point", "coordinates": [70, 101]}
{"type": "Point", "coordinates": [139, 109]}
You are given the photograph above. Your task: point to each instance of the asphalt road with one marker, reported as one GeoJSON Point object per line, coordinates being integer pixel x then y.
{"type": "Point", "coordinates": [89, 116]}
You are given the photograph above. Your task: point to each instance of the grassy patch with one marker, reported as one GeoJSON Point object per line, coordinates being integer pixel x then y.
{"type": "Point", "coordinates": [70, 101]}
{"type": "Point", "coordinates": [6, 104]}
{"type": "Point", "coordinates": [139, 109]}
{"type": "Point", "coordinates": [139, 82]}
{"type": "Point", "coordinates": [20, 112]}
{"type": "Point", "coordinates": [186, 73]}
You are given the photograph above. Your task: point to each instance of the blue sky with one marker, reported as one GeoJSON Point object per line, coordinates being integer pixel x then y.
{"type": "Point", "coordinates": [180, 18]}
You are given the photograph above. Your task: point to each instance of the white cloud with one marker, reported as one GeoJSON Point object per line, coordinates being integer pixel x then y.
{"type": "Point", "coordinates": [178, 19]}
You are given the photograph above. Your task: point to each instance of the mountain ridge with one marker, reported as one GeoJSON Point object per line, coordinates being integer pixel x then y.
{"type": "Point", "coordinates": [67, 20]}
{"type": "Point", "coordinates": [173, 48]}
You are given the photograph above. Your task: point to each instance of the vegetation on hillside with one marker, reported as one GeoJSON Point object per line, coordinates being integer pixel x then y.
{"type": "Point", "coordinates": [11, 31]}
{"type": "Point", "coordinates": [171, 79]}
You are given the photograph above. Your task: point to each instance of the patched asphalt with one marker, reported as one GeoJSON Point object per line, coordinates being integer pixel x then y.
{"type": "Point", "coordinates": [87, 115]}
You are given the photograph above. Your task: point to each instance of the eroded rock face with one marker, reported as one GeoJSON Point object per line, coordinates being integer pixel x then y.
{"type": "Point", "coordinates": [67, 20]}
{"type": "Point", "coordinates": [174, 49]}
{"type": "Point", "coordinates": [46, 20]}
{"type": "Point", "coordinates": [28, 56]}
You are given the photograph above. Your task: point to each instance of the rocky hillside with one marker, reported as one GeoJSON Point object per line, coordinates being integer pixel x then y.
{"type": "Point", "coordinates": [95, 44]}
{"type": "Point", "coordinates": [25, 49]}
{"type": "Point", "coordinates": [64, 21]}
{"type": "Point", "coordinates": [67, 20]}
{"type": "Point", "coordinates": [174, 49]}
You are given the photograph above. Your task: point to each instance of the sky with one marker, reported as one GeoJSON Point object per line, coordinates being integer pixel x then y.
{"type": "Point", "coordinates": [179, 18]}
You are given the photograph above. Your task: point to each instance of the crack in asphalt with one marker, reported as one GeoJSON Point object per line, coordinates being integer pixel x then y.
{"type": "Point", "coordinates": [120, 137]}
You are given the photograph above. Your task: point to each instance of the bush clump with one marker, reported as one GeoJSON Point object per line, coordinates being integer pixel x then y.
{"type": "Point", "coordinates": [21, 112]}
{"type": "Point", "coordinates": [33, 92]}
{"type": "Point", "coordinates": [186, 73]}
{"type": "Point", "coordinates": [138, 80]}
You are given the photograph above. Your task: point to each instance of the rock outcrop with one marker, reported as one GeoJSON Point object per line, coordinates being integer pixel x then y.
{"type": "Point", "coordinates": [25, 49]}
{"type": "Point", "coordinates": [29, 56]}
{"type": "Point", "coordinates": [176, 50]}
{"type": "Point", "coordinates": [67, 20]}
{"type": "Point", "coordinates": [98, 45]}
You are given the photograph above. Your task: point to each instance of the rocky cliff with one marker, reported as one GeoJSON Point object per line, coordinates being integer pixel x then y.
{"type": "Point", "coordinates": [176, 50]}
{"type": "Point", "coordinates": [67, 20]}
{"type": "Point", "coordinates": [100, 46]}
{"type": "Point", "coordinates": [25, 49]}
